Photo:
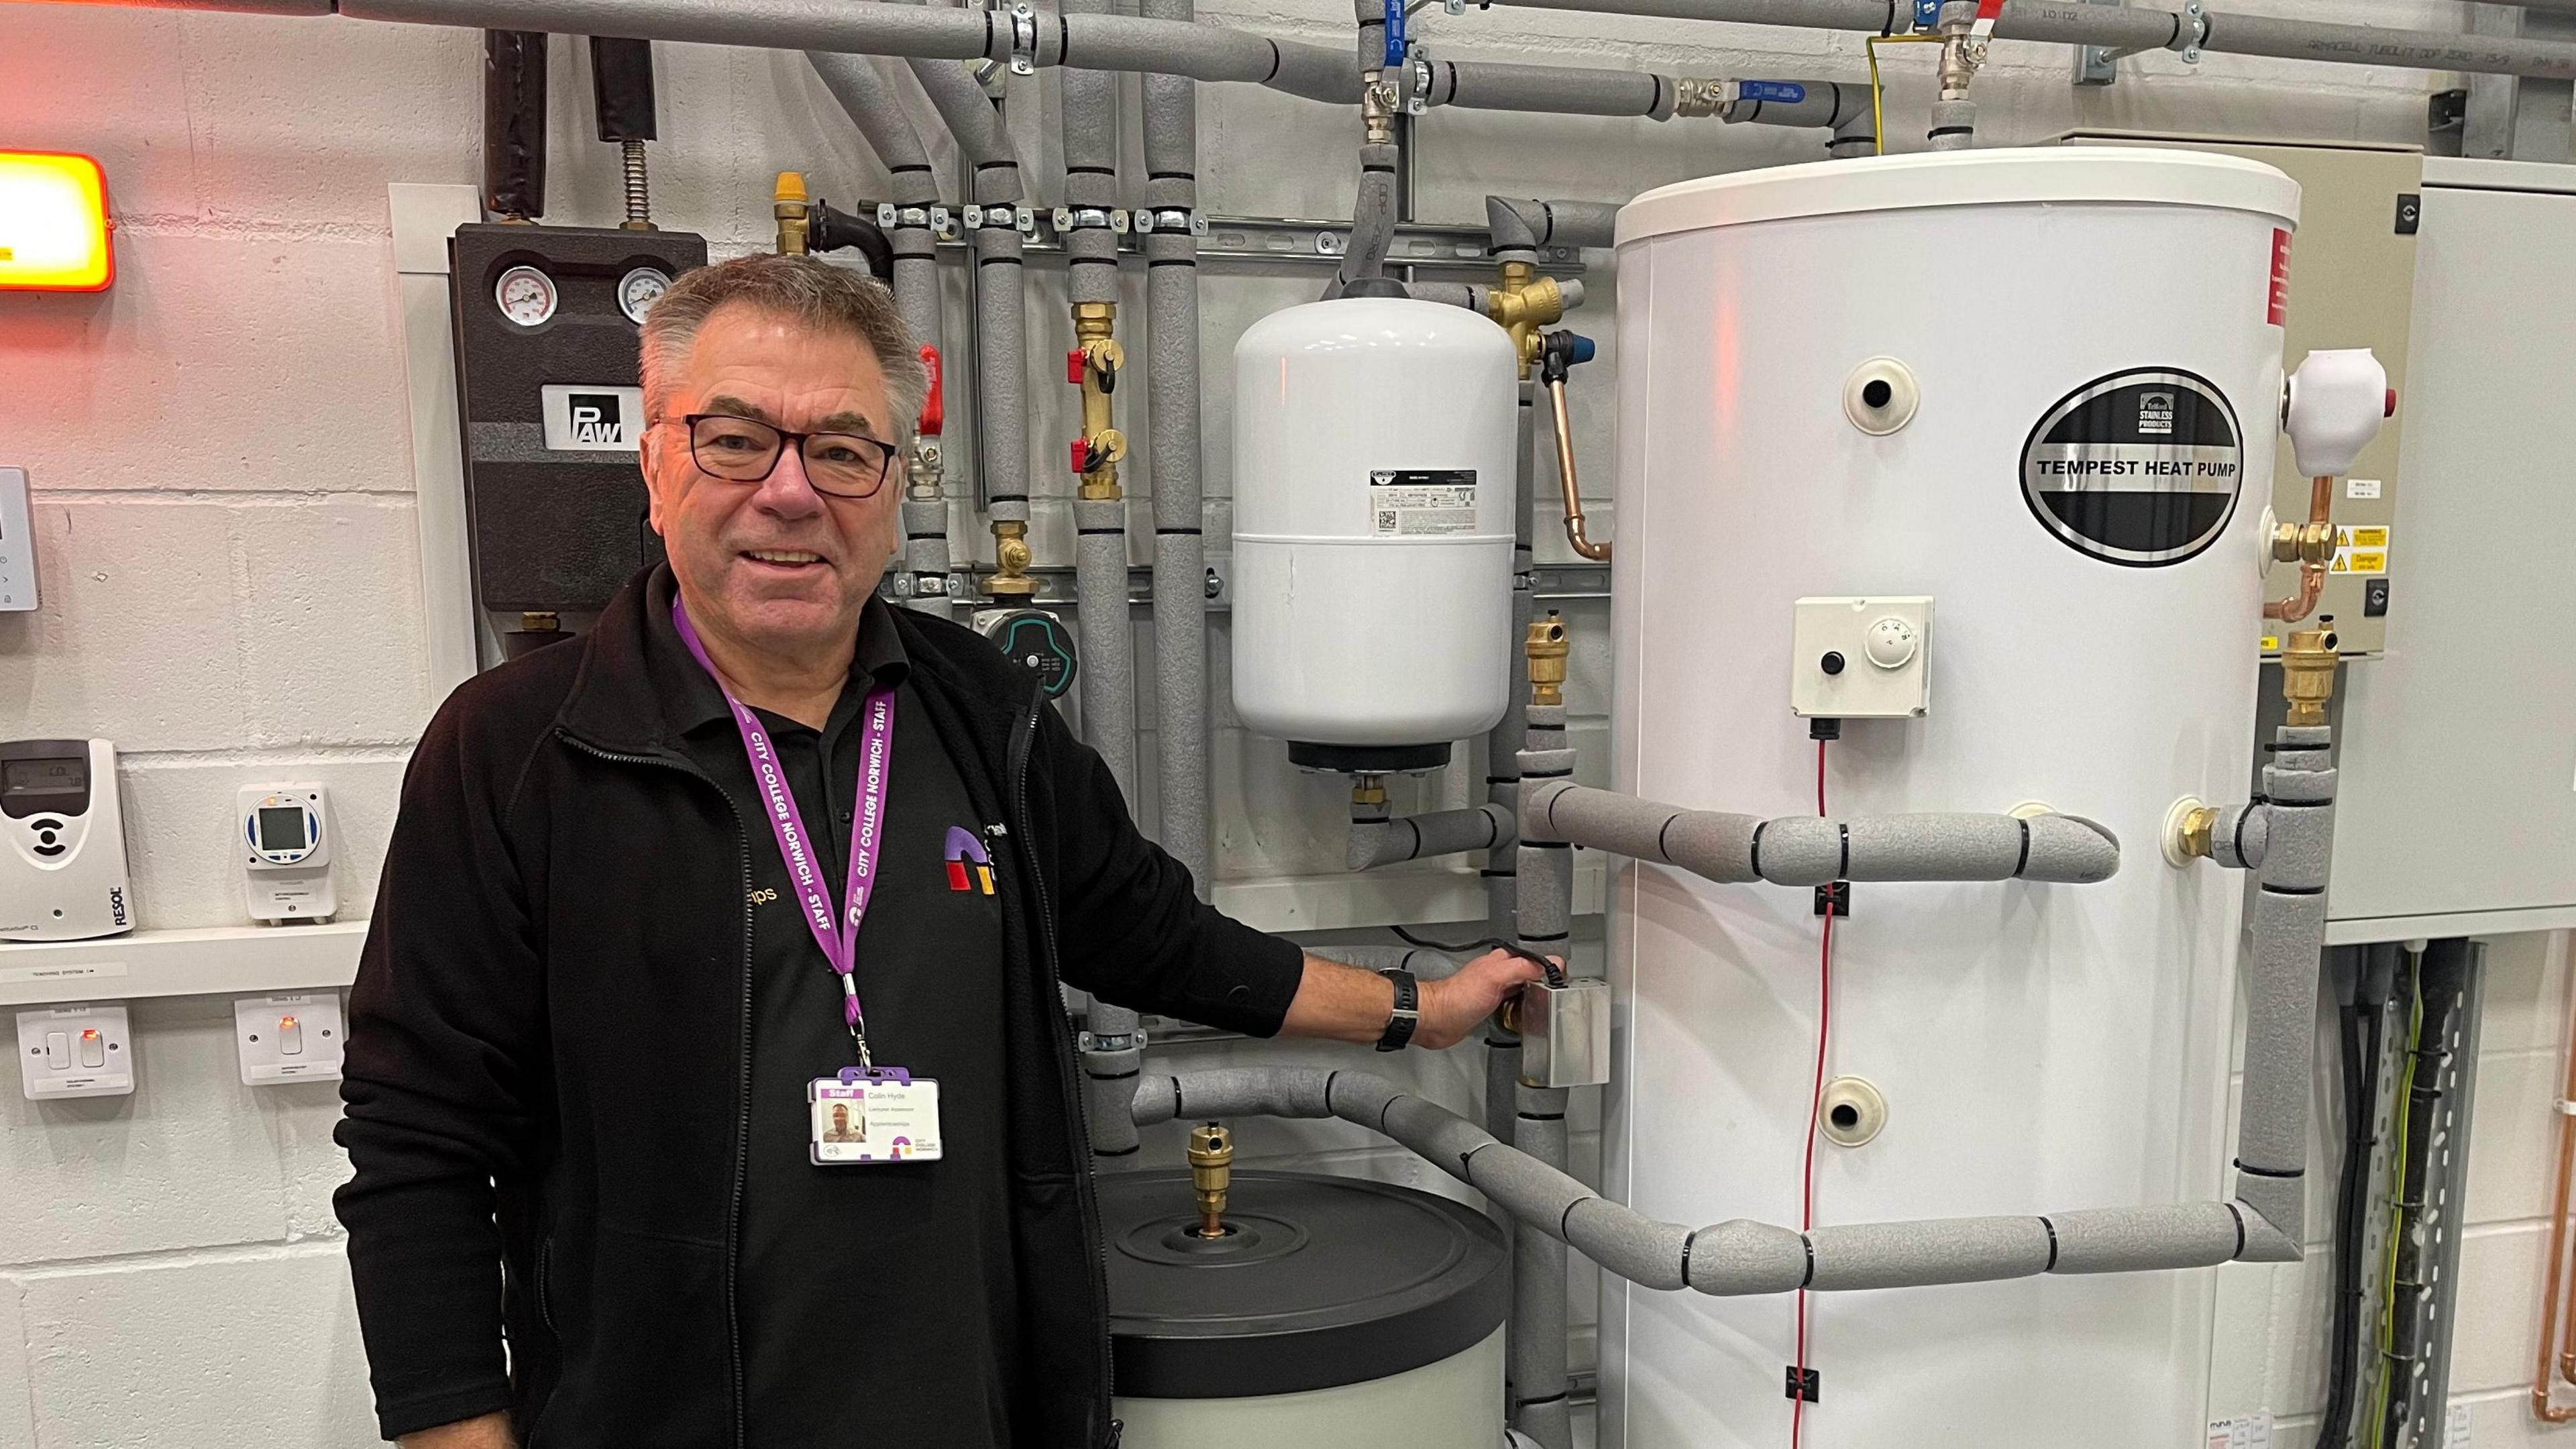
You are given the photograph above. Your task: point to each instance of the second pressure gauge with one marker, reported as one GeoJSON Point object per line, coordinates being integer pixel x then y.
{"type": "Point", "coordinates": [638, 290]}
{"type": "Point", "coordinates": [526, 296]}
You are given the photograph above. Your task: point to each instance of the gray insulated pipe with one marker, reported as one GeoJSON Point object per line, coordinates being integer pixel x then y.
{"type": "Point", "coordinates": [864, 86]}
{"type": "Point", "coordinates": [1422, 837]}
{"type": "Point", "coordinates": [1001, 351]}
{"type": "Point", "coordinates": [1543, 923]}
{"type": "Point", "coordinates": [1809, 850]}
{"type": "Point", "coordinates": [1526, 223]}
{"type": "Point", "coordinates": [1172, 404]}
{"type": "Point", "coordinates": [2281, 986]}
{"type": "Point", "coordinates": [1089, 115]}
{"type": "Point", "coordinates": [1550, 89]}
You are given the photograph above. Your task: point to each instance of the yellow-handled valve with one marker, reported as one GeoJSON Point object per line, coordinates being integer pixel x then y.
{"type": "Point", "coordinates": [1211, 1170]}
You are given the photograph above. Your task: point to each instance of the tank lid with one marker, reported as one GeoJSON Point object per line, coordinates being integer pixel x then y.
{"type": "Point", "coordinates": [2001, 177]}
{"type": "Point", "coordinates": [1322, 1281]}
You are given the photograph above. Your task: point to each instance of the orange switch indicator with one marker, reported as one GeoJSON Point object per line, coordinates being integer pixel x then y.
{"type": "Point", "coordinates": [53, 223]}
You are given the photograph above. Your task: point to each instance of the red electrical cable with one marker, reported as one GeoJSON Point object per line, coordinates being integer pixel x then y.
{"type": "Point", "coordinates": [1815, 1105]}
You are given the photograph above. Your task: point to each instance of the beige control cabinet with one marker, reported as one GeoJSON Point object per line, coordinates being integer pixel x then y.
{"type": "Point", "coordinates": [2352, 284]}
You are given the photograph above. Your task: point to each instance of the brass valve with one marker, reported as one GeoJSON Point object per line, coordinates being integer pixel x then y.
{"type": "Point", "coordinates": [1368, 791]}
{"type": "Point", "coordinates": [1524, 303]}
{"type": "Point", "coordinates": [1211, 1169]}
{"type": "Point", "coordinates": [1546, 649]}
{"type": "Point", "coordinates": [794, 217]}
{"type": "Point", "coordinates": [2308, 673]}
{"type": "Point", "coordinates": [1011, 560]}
{"type": "Point", "coordinates": [2198, 831]}
{"type": "Point", "coordinates": [1097, 359]}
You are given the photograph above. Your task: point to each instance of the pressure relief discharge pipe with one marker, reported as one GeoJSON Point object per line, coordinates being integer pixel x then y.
{"type": "Point", "coordinates": [1558, 352]}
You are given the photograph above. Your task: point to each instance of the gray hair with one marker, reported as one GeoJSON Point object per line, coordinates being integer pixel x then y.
{"type": "Point", "coordinates": [812, 291]}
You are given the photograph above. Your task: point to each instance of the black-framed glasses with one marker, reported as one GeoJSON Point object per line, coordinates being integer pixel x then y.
{"type": "Point", "coordinates": [746, 450]}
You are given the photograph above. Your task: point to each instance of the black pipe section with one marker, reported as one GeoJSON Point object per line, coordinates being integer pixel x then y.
{"type": "Point", "coordinates": [621, 84]}
{"type": "Point", "coordinates": [2364, 977]}
{"type": "Point", "coordinates": [2441, 978]}
{"type": "Point", "coordinates": [829, 229]}
{"type": "Point", "coordinates": [514, 123]}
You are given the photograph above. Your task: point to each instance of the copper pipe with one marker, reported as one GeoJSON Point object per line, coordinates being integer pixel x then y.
{"type": "Point", "coordinates": [2553, 1312]}
{"type": "Point", "coordinates": [2316, 554]}
{"type": "Point", "coordinates": [1597, 552]}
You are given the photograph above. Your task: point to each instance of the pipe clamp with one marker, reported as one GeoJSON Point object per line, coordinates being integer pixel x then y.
{"type": "Point", "coordinates": [1024, 39]}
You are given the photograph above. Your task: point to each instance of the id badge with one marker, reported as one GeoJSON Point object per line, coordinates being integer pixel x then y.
{"type": "Point", "coordinates": [882, 1114]}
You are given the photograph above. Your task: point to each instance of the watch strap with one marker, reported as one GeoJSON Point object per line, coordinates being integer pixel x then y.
{"type": "Point", "coordinates": [1408, 1010]}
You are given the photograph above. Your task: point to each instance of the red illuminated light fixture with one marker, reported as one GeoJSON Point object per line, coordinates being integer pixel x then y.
{"type": "Point", "coordinates": [53, 223]}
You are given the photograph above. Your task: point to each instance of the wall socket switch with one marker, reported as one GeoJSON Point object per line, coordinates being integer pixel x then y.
{"type": "Point", "coordinates": [75, 1051]}
{"type": "Point", "coordinates": [289, 1038]}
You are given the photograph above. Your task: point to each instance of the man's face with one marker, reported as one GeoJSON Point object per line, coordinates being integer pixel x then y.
{"type": "Point", "coordinates": [773, 565]}
{"type": "Point", "coordinates": [840, 1117]}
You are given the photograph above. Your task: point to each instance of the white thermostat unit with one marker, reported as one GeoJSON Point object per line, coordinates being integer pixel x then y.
{"type": "Point", "coordinates": [75, 1051]}
{"type": "Point", "coordinates": [1861, 658]}
{"type": "Point", "coordinates": [62, 869]}
{"type": "Point", "coordinates": [284, 840]}
{"type": "Point", "coordinates": [17, 543]}
{"type": "Point", "coordinates": [289, 1038]}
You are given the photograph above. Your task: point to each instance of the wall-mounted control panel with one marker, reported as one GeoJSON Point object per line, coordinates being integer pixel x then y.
{"type": "Point", "coordinates": [75, 1051]}
{"type": "Point", "coordinates": [289, 1038]}
{"type": "Point", "coordinates": [1861, 658]}
{"type": "Point", "coordinates": [284, 843]}
{"type": "Point", "coordinates": [62, 842]}
{"type": "Point", "coordinates": [17, 543]}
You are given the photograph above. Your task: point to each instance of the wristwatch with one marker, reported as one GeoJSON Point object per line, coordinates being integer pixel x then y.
{"type": "Point", "coordinates": [1408, 1010]}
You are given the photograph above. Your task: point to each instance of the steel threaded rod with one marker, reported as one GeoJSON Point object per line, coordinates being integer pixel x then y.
{"type": "Point", "coordinates": [639, 192]}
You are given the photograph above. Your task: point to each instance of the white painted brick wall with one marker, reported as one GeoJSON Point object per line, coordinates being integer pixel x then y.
{"type": "Point", "coordinates": [220, 451]}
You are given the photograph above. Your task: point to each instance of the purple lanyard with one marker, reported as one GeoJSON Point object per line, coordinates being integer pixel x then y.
{"type": "Point", "coordinates": [840, 945]}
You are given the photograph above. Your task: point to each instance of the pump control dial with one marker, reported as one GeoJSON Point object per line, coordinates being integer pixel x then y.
{"type": "Point", "coordinates": [1891, 643]}
{"type": "Point", "coordinates": [526, 296]}
{"type": "Point", "coordinates": [638, 290]}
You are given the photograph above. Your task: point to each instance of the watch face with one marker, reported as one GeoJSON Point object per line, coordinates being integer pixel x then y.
{"type": "Point", "coordinates": [638, 290]}
{"type": "Point", "coordinates": [526, 296]}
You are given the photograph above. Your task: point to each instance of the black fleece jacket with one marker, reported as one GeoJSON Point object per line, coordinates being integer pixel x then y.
{"type": "Point", "coordinates": [561, 950]}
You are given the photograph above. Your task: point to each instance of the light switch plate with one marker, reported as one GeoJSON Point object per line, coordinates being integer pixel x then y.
{"type": "Point", "coordinates": [289, 1038]}
{"type": "Point", "coordinates": [75, 1051]}
{"type": "Point", "coordinates": [1861, 658]}
{"type": "Point", "coordinates": [17, 543]}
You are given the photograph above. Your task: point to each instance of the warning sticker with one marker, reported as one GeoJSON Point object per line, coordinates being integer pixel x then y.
{"type": "Point", "coordinates": [2277, 311]}
{"type": "Point", "coordinates": [2140, 468]}
{"type": "Point", "coordinates": [2360, 549]}
{"type": "Point", "coordinates": [1422, 502]}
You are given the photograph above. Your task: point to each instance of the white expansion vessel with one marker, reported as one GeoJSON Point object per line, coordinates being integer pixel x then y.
{"type": "Point", "coordinates": [1374, 450]}
{"type": "Point", "coordinates": [2086, 340]}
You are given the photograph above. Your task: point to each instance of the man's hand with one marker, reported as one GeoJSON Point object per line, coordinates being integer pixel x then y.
{"type": "Point", "coordinates": [1452, 1007]}
{"type": "Point", "coordinates": [492, 1431]}
{"type": "Point", "coordinates": [1344, 1003]}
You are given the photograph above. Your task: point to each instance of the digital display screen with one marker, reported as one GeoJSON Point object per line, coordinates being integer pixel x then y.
{"type": "Point", "coordinates": [281, 827]}
{"type": "Point", "coordinates": [66, 776]}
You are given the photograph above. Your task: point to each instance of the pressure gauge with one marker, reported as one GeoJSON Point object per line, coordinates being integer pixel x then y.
{"type": "Point", "coordinates": [638, 290]}
{"type": "Point", "coordinates": [526, 295]}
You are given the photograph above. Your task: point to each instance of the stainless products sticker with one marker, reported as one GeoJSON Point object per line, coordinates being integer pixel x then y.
{"type": "Point", "coordinates": [2140, 468]}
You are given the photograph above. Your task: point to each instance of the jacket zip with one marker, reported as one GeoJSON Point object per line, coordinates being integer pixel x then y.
{"type": "Point", "coordinates": [1083, 1194]}
{"type": "Point", "coordinates": [742, 1090]}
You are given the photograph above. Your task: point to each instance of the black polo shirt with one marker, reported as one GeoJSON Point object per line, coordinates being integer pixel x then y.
{"type": "Point", "coordinates": [878, 1304]}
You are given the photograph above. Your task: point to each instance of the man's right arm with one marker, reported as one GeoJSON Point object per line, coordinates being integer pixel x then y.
{"type": "Point", "coordinates": [446, 1024]}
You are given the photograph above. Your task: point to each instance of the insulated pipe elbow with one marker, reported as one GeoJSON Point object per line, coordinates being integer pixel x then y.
{"type": "Point", "coordinates": [1525, 223]}
{"type": "Point", "coordinates": [1421, 837]}
{"type": "Point", "coordinates": [2240, 836]}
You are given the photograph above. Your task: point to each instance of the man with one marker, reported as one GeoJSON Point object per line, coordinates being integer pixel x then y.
{"type": "Point", "coordinates": [841, 1130]}
{"type": "Point", "coordinates": [588, 920]}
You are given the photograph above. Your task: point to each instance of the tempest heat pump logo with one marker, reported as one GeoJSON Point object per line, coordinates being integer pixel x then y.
{"type": "Point", "coordinates": [969, 868]}
{"type": "Point", "coordinates": [596, 420]}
